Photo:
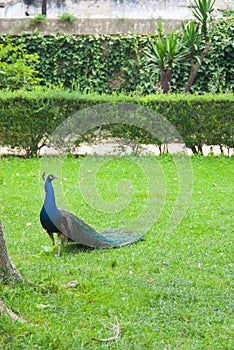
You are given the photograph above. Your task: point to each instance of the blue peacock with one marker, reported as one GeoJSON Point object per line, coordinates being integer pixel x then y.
{"type": "Point", "coordinates": [64, 223]}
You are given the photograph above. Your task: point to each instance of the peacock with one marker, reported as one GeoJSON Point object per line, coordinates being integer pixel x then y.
{"type": "Point", "coordinates": [64, 223]}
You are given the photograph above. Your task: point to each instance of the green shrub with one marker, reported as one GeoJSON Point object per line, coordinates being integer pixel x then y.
{"type": "Point", "coordinates": [28, 118]}
{"type": "Point", "coordinates": [217, 72]}
{"type": "Point", "coordinates": [17, 67]}
{"type": "Point", "coordinates": [38, 20]}
{"type": "Point", "coordinates": [67, 17]}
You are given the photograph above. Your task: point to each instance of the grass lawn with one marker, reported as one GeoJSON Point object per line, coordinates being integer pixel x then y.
{"type": "Point", "coordinates": [173, 290]}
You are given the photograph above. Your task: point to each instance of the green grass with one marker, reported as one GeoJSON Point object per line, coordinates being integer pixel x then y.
{"type": "Point", "coordinates": [170, 291]}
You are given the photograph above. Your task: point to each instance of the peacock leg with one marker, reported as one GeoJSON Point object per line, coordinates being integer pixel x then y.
{"type": "Point", "coordinates": [52, 239]}
{"type": "Point", "coordinates": [59, 243]}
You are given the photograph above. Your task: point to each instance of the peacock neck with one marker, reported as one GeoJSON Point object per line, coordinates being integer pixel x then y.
{"type": "Point", "coordinates": [49, 203]}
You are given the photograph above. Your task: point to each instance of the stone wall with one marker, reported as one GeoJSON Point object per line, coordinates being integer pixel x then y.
{"type": "Point", "coordinates": [84, 26]}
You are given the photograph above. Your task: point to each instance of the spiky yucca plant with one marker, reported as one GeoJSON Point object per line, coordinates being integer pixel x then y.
{"type": "Point", "coordinates": [202, 13]}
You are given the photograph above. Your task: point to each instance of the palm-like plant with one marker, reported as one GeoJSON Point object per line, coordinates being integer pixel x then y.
{"type": "Point", "coordinates": [202, 13]}
{"type": "Point", "coordinates": [165, 52]}
{"type": "Point", "coordinates": [191, 37]}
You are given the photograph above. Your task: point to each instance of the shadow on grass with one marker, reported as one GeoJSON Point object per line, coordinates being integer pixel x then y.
{"type": "Point", "coordinates": [75, 248]}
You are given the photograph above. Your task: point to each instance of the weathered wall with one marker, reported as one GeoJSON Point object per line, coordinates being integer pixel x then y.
{"type": "Point", "coordinates": [88, 26]}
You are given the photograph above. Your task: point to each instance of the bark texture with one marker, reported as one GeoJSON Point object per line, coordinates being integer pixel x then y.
{"type": "Point", "coordinates": [44, 7]}
{"type": "Point", "coordinates": [195, 69]}
{"type": "Point", "coordinates": [165, 79]}
{"type": "Point", "coordinates": [9, 313]}
{"type": "Point", "coordinates": [8, 272]}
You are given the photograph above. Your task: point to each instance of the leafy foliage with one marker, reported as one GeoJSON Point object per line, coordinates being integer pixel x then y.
{"type": "Point", "coordinates": [202, 13]}
{"type": "Point", "coordinates": [38, 20]}
{"type": "Point", "coordinates": [167, 51]}
{"type": "Point", "coordinates": [191, 38]}
{"type": "Point", "coordinates": [17, 67]}
{"type": "Point", "coordinates": [217, 73]}
{"type": "Point", "coordinates": [67, 17]}
{"type": "Point", "coordinates": [107, 63]}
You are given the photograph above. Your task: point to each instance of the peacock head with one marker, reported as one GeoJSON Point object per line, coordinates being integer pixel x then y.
{"type": "Point", "coordinates": [49, 178]}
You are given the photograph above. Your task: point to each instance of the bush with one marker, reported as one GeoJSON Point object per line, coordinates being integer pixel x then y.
{"type": "Point", "coordinates": [217, 72]}
{"type": "Point", "coordinates": [28, 118]}
{"type": "Point", "coordinates": [17, 67]}
{"type": "Point", "coordinates": [67, 17]}
{"type": "Point", "coordinates": [38, 20]}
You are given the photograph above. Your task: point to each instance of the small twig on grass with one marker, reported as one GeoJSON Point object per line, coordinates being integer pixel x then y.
{"type": "Point", "coordinates": [5, 310]}
{"type": "Point", "coordinates": [116, 329]}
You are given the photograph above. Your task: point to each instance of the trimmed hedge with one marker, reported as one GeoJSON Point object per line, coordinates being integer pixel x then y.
{"type": "Point", "coordinates": [28, 118]}
{"type": "Point", "coordinates": [107, 63]}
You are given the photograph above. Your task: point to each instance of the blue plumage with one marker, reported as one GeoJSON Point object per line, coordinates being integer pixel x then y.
{"type": "Point", "coordinates": [60, 221]}
{"type": "Point", "coordinates": [47, 224]}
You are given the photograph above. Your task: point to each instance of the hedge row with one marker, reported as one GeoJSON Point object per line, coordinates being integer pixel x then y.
{"type": "Point", "coordinates": [107, 63]}
{"type": "Point", "coordinates": [27, 118]}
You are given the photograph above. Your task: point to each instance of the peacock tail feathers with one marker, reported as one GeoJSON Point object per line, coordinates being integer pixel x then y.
{"type": "Point", "coordinates": [78, 231]}
{"type": "Point", "coordinates": [120, 237]}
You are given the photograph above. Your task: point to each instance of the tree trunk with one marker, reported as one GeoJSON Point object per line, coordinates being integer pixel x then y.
{"type": "Point", "coordinates": [8, 272]}
{"type": "Point", "coordinates": [195, 69]}
{"type": "Point", "coordinates": [165, 78]}
{"type": "Point", "coordinates": [44, 7]}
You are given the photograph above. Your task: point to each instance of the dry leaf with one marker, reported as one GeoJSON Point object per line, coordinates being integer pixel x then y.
{"type": "Point", "coordinates": [150, 280]}
{"type": "Point", "coordinates": [71, 284]}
